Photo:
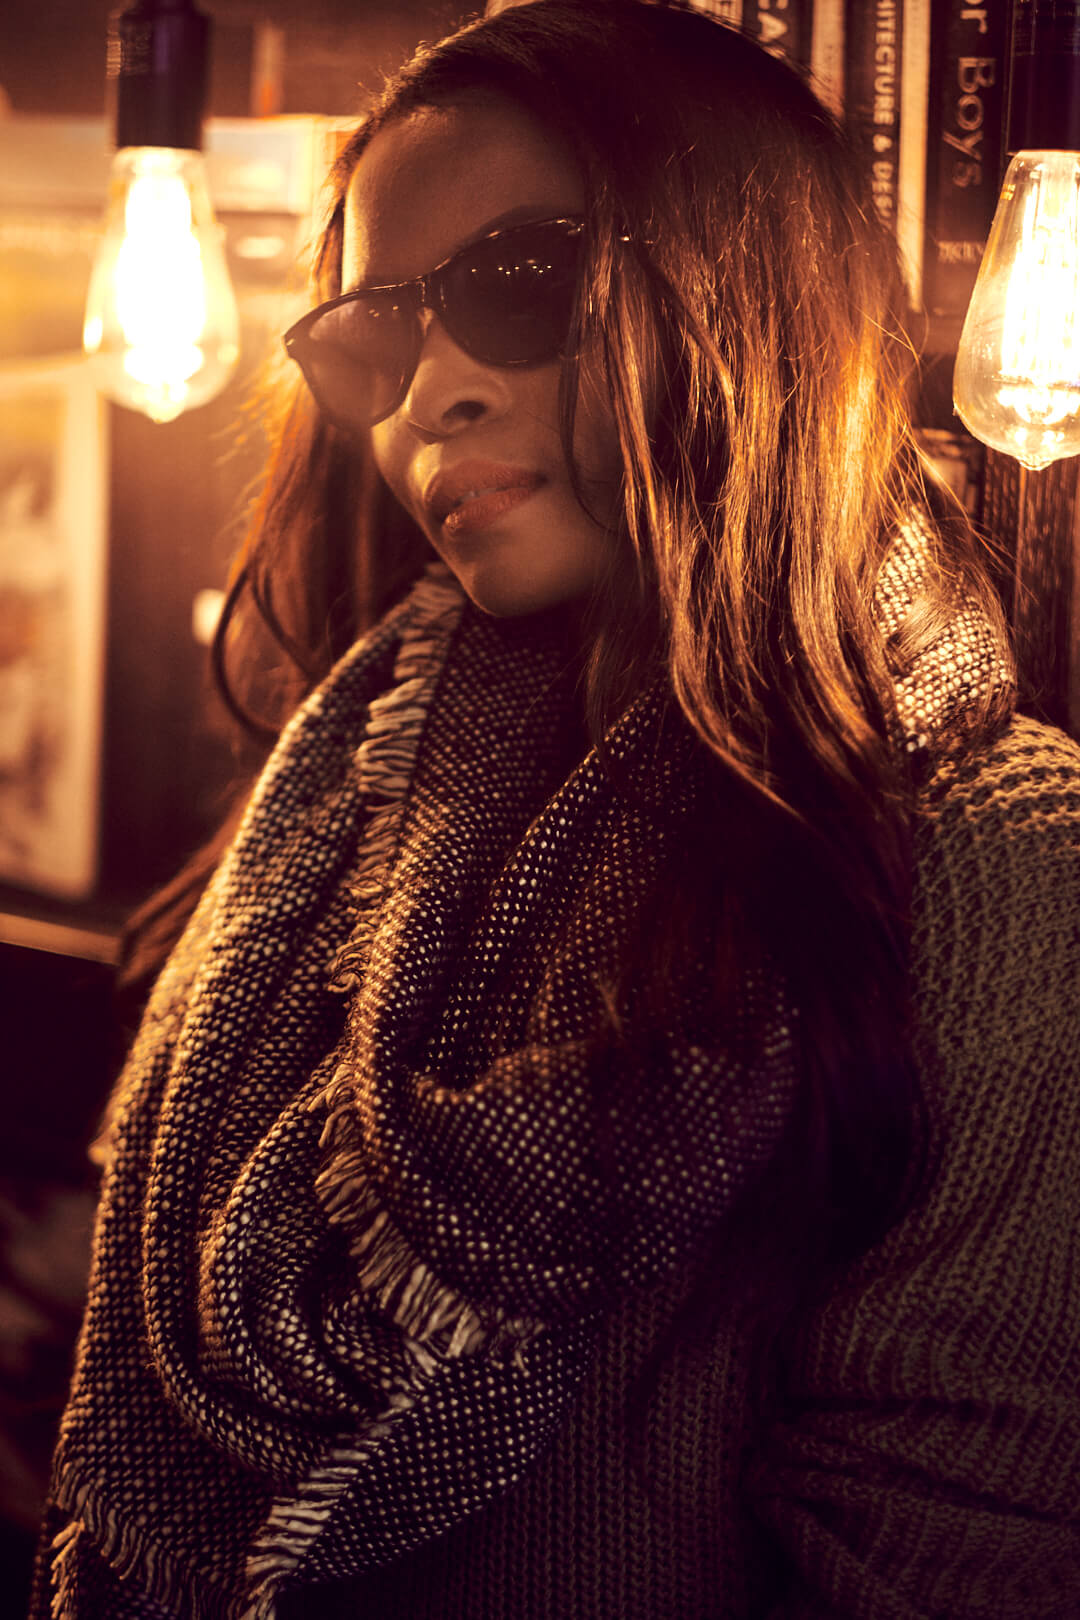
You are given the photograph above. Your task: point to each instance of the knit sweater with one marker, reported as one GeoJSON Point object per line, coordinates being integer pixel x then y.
{"type": "Point", "coordinates": [367, 1307]}
{"type": "Point", "coordinates": [928, 1464]}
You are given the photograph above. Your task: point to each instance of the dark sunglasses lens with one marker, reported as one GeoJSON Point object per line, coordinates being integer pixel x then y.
{"type": "Point", "coordinates": [358, 356]}
{"type": "Point", "coordinates": [510, 301]}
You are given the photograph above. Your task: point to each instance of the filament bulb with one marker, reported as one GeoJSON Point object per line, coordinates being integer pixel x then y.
{"type": "Point", "coordinates": [161, 317]}
{"type": "Point", "coordinates": [1017, 379]}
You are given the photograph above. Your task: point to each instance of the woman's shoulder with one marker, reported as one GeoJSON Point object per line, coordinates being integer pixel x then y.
{"type": "Point", "coordinates": [1016, 795]}
{"type": "Point", "coordinates": [996, 909]}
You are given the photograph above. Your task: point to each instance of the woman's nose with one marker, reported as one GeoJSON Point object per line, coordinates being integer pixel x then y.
{"type": "Point", "coordinates": [450, 390]}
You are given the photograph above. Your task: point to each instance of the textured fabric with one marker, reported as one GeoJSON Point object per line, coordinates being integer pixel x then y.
{"type": "Point", "coordinates": [933, 1464]}
{"type": "Point", "coordinates": [928, 1467]}
{"type": "Point", "coordinates": [359, 1230]}
{"type": "Point", "coordinates": [365, 1272]}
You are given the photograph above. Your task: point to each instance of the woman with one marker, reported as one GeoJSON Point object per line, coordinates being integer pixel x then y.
{"type": "Point", "coordinates": [605, 1144]}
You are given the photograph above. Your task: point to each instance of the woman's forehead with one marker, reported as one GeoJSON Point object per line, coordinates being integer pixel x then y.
{"type": "Point", "coordinates": [440, 176]}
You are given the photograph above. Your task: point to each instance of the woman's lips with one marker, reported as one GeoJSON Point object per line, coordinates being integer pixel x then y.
{"type": "Point", "coordinates": [479, 511]}
{"type": "Point", "coordinates": [472, 493]}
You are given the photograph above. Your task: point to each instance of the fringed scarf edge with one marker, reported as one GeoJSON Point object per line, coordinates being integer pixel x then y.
{"type": "Point", "coordinates": [387, 756]}
{"type": "Point", "coordinates": [438, 1321]}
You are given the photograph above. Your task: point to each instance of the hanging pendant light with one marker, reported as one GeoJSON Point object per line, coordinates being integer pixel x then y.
{"type": "Point", "coordinates": [161, 319]}
{"type": "Point", "coordinates": [1017, 380]}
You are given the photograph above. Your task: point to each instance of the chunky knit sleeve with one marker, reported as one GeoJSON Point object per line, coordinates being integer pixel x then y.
{"type": "Point", "coordinates": [929, 1462]}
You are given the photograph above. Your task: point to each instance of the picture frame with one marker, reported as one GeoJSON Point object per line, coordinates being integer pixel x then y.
{"type": "Point", "coordinates": [53, 547]}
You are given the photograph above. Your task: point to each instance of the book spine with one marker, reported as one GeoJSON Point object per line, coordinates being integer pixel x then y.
{"type": "Point", "coordinates": [783, 27]}
{"type": "Point", "coordinates": [725, 11]}
{"type": "Point", "coordinates": [911, 185]}
{"type": "Point", "coordinates": [827, 50]}
{"type": "Point", "coordinates": [872, 93]}
{"type": "Point", "coordinates": [964, 133]}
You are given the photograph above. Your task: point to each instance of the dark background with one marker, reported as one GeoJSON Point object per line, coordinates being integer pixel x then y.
{"type": "Point", "coordinates": [52, 56]}
{"type": "Point", "coordinates": [178, 490]}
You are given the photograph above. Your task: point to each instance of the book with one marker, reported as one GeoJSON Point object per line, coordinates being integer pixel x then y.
{"type": "Point", "coordinates": [783, 27]}
{"type": "Point", "coordinates": [808, 34]}
{"type": "Point", "coordinates": [911, 172]}
{"type": "Point", "coordinates": [872, 91]}
{"type": "Point", "coordinates": [965, 113]}
{"type": "Point", "coordinates": [828, 50]}
{"type": "Point", "coordinates": [958, 461]}
{"type": "Point", "coordinates": [725, 11]}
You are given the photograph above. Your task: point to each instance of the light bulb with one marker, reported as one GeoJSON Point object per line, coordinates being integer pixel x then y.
{"type": "Point", "coordinates": [161, 319]}
{"type": "Point", "coordinates": [1017, 380]}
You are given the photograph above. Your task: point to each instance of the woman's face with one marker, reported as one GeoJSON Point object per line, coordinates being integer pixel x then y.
{"type": "Point", "coordinates": [483, 437]}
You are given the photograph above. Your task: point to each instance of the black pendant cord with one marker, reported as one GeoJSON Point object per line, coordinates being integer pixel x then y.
{"type": "Point", "coordinates": [158, 58]}
{"type": "Point", "coordinates": [1044, 80]}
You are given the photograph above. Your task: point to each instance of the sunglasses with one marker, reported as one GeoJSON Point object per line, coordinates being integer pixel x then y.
{"type": "Point", "coordinates": [507, 300]}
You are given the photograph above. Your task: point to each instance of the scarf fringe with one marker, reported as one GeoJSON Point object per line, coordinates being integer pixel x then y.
{"type": "Point", "coordinates": [128, 1557]}
{"type": "Point", "coordinates": [293, 1527]}
{"type": "Point", "coordinates": [65, 1571]}
{"type": "Point", "coordinates": [429, 1311]}
{"type": "Point", "coordinates": [437, 1323]}
{"type": "Point", "coordinates": [429, 1477]}
{"type": "Point", "coordinates": [385, 759]}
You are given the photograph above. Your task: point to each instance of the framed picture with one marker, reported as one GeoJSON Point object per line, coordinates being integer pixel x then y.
{"type": "Point", "coordinates": [53, 537]}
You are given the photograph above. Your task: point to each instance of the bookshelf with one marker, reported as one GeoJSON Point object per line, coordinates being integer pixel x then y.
{"type": "Point", "coordinates": [1036, 517]}
{"type": "Point", "coordinates": [921, 85]}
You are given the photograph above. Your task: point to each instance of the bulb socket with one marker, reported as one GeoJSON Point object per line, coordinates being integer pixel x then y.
{"type": "Point", "coordinates": [1044, 78]}
{"type": "Point", "coordinates": [158, 55]}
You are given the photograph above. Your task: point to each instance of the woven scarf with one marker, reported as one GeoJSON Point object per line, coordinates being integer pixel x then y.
{"type": "Point", "coordinates": [370, 1181]}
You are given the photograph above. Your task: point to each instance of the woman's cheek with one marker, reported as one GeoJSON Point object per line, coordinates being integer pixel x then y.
{"type": "Point", "coordinates": [391, 460]}
{"type": "Point", "coordinates": [598, 454]}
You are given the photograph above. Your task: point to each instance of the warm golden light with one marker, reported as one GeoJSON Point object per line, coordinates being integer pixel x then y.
{"type": "Point", "coordinates": [1017, 380]}
{"type": "Point", "coordinates": [161, 316]}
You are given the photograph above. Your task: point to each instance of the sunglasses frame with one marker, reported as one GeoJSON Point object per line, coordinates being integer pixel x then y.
{"type": "Point", "coordinates": [429, 291]}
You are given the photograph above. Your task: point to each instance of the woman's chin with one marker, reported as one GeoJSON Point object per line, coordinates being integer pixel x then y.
{"type": "Point", "coordinates": [513, 592]}
{"type": "Point", "coordinates": [545, 553]}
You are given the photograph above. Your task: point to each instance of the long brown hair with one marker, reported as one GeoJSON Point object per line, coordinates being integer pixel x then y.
{"type": "Point", "coordinates": [748, 311]}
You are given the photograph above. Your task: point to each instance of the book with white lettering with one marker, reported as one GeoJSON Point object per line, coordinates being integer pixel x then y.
{"type": "Point", "coordinates": [784, 27]}
{"type": "Point", "coordinates": [725, 11]}
{"type": "Point", "coordinates": [964, 139]}
{"type": "Point", "coordinates": [872, 87]}
{"type": "Point", "coordinates": [807, 34]}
